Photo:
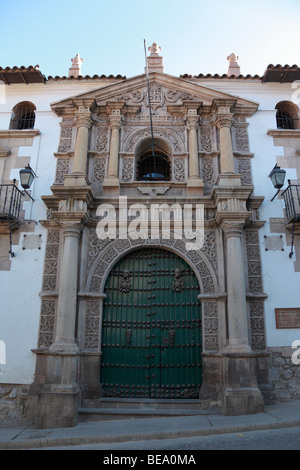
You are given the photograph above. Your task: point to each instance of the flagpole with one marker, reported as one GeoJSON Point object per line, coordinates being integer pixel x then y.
{"type": "Point", "coordinates": [149, 102]}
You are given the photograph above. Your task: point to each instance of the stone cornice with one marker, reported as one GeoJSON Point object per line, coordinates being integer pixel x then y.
{"type": "Point", "coordinates": [295, 133]}
{"type": "Point", "coordinates": [15, 133]}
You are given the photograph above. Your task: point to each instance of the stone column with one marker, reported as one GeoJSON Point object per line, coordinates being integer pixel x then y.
{"type": "Point", "coordinates": [84, 123]}
{"type": "Point", "coordinates": [57, 402]}
{"type": "Point", "coordinates": [111, 182]}
{"type": "Point", "coordinates": [67, 295]}
{"type": "Point", "coordinates": [195, 184]}
{"type": "Point", "coordinates": [241, 394]}
{"type": "Point", "coordinates": [223, 123]}
{"type": "Point", "coordinates": [236, 288]}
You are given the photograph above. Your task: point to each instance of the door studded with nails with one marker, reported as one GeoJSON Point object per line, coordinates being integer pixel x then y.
{"type": "Point", "coordinates": [151, 336]}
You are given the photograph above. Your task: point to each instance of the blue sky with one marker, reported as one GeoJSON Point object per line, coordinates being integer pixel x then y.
{"type": "Point", "coordinates": [196, 36]}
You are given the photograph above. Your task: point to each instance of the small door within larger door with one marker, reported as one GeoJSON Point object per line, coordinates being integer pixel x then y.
{"type": "Point", "coordinates": [151, 337]}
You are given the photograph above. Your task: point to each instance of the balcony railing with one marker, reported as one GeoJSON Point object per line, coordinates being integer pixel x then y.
{"type": "Point", "coordinates": [292, 203]}
{"type": "Point", "coordinates": [10, 202]}
{"type": "Point", "coordinates": [10, 205]}
{"type": "Point", "coordinates": [291, 197]}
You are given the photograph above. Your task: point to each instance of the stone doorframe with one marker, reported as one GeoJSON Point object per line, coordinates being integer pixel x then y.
{"type": "Point", "coordinates": [91, 310]}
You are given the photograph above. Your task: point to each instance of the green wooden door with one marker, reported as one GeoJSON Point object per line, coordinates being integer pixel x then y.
{"type": "Point", "coordinates": [151, 337]}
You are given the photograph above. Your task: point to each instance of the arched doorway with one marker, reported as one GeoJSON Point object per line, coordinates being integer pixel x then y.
{"type": "Point", "coordinates": [151, 336]}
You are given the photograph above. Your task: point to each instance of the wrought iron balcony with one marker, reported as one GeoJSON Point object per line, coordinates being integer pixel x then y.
{"type": "Point", "coordinates": [292, 203]}
{"type": "Point", "coordinates": [10, 203]}
{"type": "Point", "coordinates": [291, 197]}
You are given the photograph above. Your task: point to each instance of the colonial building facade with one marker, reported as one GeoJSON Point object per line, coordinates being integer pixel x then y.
{"type": "Point", "coordinates": [132, 312]}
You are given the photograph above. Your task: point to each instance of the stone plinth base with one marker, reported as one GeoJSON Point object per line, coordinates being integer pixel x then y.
{"type": "Point", "coordinates": [76, 180]}
{"type": "Point", "coordinates": [243, 401]}
{"type": "Point", "coordinates": [195, 187]}
{"type": "Point", "coordinates": [229, 179]}
{"type": "Point", "coordinates": [111, 186]}
{"type": "Point", "coordinates": [241, 395]}
{"type": "Point", "coordinates": [57, 409]}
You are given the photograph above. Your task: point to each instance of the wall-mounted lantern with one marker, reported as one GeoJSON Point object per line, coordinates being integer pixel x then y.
{"type": "Point", "coordinates": [277, 177]}
{"type": "Point", "coordinates": [27, 176]}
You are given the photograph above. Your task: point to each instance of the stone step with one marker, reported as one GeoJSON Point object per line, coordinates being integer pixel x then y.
{"type": "Point", "coordinates": [116, 409]}
{"type": "Point", "coordinates": [113, 414]}
{"type": "Point", "coordinates": [151, 403]}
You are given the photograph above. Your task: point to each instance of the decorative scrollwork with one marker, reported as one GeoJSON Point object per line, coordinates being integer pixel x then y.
{"type": "Point", "coordinates": [125, 285]}
{"type": "Point", "coordinates": [177, 285]}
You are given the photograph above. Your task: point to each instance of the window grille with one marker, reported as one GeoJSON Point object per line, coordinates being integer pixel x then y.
{"type": "Point", "coordinates": [287, 115]}
{"type": "Point", "coordinates": [23, 116]}
{"type": "Point", "coordinates": [153, 168]}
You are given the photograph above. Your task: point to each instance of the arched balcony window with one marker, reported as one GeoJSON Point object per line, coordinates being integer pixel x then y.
{"type": "Point", "coordinates": [23, 116]}
{"type": "Point", "coordinates": [287, 116]}
{"type": "Point", "coordinates": [153, 167]}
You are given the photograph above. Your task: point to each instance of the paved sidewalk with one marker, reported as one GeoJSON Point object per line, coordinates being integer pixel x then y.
{"type": "Point", "coordinates": [283, 415]}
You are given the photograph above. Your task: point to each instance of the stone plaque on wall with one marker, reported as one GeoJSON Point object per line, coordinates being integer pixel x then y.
{"type": "Point", "coordinates": [287, 318]}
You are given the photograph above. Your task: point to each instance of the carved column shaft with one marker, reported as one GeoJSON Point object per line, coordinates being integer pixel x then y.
{"type": "Point", "coordinates": [192, 125]}
{"type": "Point", "coordinates": [236, 288]}
{"type": "Point", "coordinates": [67, 296]}
{"type": "Point", "coordinates": [111, 182]}
{"type": "Point", "coordinates": [84, 123]}
{"type": "Point", "coordinates": [113, 164]}
{"type": "Point", "coordinates": [223, 123]}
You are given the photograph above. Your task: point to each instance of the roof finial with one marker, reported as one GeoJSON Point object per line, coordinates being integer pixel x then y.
{"type": "Point", "coordinates": [234, 68]}
{"type": "Point", "coordinates": [154, 61]}
{"type": "Point", "coordinates": [75, 70]}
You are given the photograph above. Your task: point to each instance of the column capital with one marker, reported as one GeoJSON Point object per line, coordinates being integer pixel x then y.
{"type": "Point", "coordinates": [83, 119]}
{"type": "Point", "coordinates": [72, 229]}
{"type": "Point", "coordinates": [115, 121]}
{"type": "Point", "coordinates": [224, 120]}
{"type": "Point", "coordinates": [232, 229]}
{"type": "Point", "coordinates": [192, 122]}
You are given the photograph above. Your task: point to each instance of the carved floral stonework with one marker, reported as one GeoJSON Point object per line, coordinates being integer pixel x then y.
{"type": "Point", "coordinates": [209, 173]}
{"type": "Point", "coordinates": [256, 307]}
{"type": "Point", "coordinates": [47, 318]}
{"type": "Point", "coordinates": [240, 137]}
{"type": "Point", "coordinates": [102, 138]}
{"type": "Point", "coordinates": [51, 259]}
{"type": "Point", "coordinates": [211, 326]}
{"type": "Point", "coordinates": [62, 169]}
{"type": "Point", "coordinates": [66, 139]}
{"type": "Point", "coordinates": [99, 167]}
{"type": "Point", "coordinates": [46, 324]}
{"type": "Point", "coordinates": [253, 262]}
{"type": "Point", "coordinates": [244, 169]}
{"type": "Point", "coordinates": [257, 325]}
{"type": "Point", "coordinates": [160, 97]}
{"type": "Point", "coordinates": [170, 135]}
{"type": "Point", "coordinates": [206, 138]}
{"type": "Point", "coordinates": [127, 169]}
{"type": "Point", "coordinates": [92, 325]}
{"type": "Point", "coordinates": [179, 170]}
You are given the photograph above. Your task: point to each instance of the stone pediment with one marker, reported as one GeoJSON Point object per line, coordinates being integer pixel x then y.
{"type": "Point", "coordinates": [167, 93]}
